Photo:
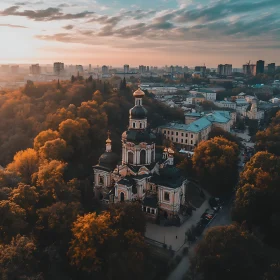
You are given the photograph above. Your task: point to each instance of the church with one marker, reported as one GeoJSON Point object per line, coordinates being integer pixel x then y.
{"type": "Point", "coordinates": [158, 184]}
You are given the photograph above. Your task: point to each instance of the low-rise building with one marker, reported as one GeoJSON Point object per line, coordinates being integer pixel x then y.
{"type": "Point", "coordinates": [196, 128]}
{"type": "Point", "coordinates": [226, 104]}
{"type": "Point", "coordinates": [207, 93]}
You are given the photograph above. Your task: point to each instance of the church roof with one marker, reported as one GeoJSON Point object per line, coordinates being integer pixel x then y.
{"type": "Point", "coordinates": [138, 112]}
{"type": "Point", "coordinates": [138, 136]}
{"type": "Point", "coordinates": [151, 201]}
{"type": "Point", "coordinates": [108, 160]}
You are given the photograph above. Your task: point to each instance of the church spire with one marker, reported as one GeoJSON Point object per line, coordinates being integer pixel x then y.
{"type": "Point", "coordinates": [108, 143]}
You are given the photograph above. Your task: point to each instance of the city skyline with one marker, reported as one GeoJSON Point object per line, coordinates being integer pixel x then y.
{"type": "Point", "coordinates": [162, 32]}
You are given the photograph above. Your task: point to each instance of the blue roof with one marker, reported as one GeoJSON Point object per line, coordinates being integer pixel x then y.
{"type": "Point", "coordinates": [193, 114]}
{"type": "Point", "coordinates": [202, 123]}
{"type": "Point", "coordinates": [194, 127]}
{"type": "Point", "coordinates": [217, 117]}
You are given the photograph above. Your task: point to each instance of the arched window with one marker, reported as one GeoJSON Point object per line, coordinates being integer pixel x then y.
{"type": "Point", "coordinates": [122, 196]}
{"type": "Point", "coordinates": [143, 157]}
{"type": "Point", "coordinates": [140, 125]}
{"type": "Point", "coordinates": [130, 157]}
{"type": "Point", "coordinates": [133, 125]}
{"type": "Point", "coordinates": [152, 156]}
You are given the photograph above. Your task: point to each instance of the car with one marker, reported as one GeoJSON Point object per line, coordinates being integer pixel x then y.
{"type": "Point", "coordinates": [215, 203]}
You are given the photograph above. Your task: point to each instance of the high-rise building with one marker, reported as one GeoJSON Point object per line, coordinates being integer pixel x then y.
{"type": "Point", "coordinates": [105, 69]}
{"type": "Point", "coordinates": [271, 68]}
{"type": "Point", "coordinates": [126, 68]}
{"type": "Point", "coordinates": [224, 69]}
{"type": "Point", "coordinates": [201, 69]}
{"type": "Point", "coordinates": [80, 69]}
{"type": "Point", "coordinates": [260, 67]}
{"type": "Point", "coordinates": [35, 69]}
{"type": "Point", "coordinates": [249, 69]}
{"type": "Point", "coordinates": [142, 68]}
{"type": "Point", "coordinates": [148, 68]}
{"type": "Point", "coordinates": [58, 68]}
{"type": "Point", "coordinates": [14, 69]}
{"type": "Point", "coordinates": [89, 68]}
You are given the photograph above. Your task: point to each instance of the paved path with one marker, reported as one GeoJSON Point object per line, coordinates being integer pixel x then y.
{"type": "Point", "coordinates": [168, 235]}
{"type": "Point", "coordinates": [221, 219]}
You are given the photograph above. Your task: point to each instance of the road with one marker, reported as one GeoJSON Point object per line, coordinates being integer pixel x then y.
{"type": "Point", "coordinates": [222, 218]}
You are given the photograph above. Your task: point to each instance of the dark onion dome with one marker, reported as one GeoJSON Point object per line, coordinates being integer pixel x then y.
{"type": "Point", "coordinates": [108, 160]}
{"type": "Point", "coordinates": [138, 112]}
{"type": "Point", "coordinates": [139, 136]}
{"type": "Point", "coordinates": [139, 93]}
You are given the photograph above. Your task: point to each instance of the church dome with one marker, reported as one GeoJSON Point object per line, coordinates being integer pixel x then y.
{"type": "Point", "coordinates": [139, 136]}
{"type": "Point", "coordinates": [138, 112]}
{"type": "Point", "coordinates": [139, 93]}
{"type": "Point", "coordinates": [108, 160]}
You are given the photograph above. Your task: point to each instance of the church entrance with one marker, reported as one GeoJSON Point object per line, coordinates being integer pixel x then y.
{"type": "Point", "coordinates": [122, 196]}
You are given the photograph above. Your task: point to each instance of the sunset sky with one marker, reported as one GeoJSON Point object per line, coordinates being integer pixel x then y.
{"type": "Point", "coordinates": [152, 32]}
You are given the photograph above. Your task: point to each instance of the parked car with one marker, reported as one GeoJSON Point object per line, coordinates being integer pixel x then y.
{"type": "Point", "coordinates": [215, 203]}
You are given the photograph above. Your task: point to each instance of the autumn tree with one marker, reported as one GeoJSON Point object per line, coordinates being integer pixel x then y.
{"type": "Point", "coordinates": [12, 220]}
{"type": "Point", "coordinates": [90, 245]}
{"type": "Point", "coordinates": [8, 179]}
{"type": "Point", "coordinates": [258, 195]}
{"type": "Point", "coordinates": [134, 221]}
{"type": "Point", "coordinates": [219, 132]}
{"type": "Point", "coordinates": [43, 137]}
{"type": "Point", "coordinates": [55, 150]}
{"type": "Point", "coordinates": [269, 139]}
{"type": "Point", "coordinates": [215, 162]}
{"type": "Point", "coordinates": [25, 164]}
{"type": "Point", "coordinates": [228, 252]}
{"type": "Point", "coordinates": [54, 222]}
{"type": "Point", "coordinates": [19, 259]}
{"type": "Point", "coordinates": [26, 197]}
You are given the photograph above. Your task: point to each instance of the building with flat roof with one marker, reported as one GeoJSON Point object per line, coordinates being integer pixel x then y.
{"type": "Point", "coordinates": [35, 69]}
{"type": "Point", "coordinates": [260, 67]}
{"type": "Point", "coordinates": [58, 68]}
{"type": "Point", "coordinates": [224, 69]}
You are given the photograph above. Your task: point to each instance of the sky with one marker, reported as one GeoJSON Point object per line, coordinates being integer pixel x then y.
{"type": "Point", "coordinates": [149, 32]}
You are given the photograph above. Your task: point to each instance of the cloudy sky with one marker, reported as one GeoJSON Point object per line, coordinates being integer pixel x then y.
{"type": "Point", "coordinates": [152, 32]}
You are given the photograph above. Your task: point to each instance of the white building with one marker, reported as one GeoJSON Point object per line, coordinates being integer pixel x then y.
{"type": "Point", "coordinates": [207, 93]}
{"type": "Point", "coordinates": [226, 104]}
{"type": "Point", "coordinates": [158, 185]}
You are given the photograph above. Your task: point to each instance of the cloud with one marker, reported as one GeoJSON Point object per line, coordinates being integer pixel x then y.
{"type": "Point", "coordinates": [12, 25]}
{"type": "Point", "coordinates": [48, 14]}
{"type": "Point", "coordinates": [68, 27]}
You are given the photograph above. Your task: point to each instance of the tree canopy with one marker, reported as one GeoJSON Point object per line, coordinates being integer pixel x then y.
{"type": "Point", "coordinates": [215, 162]}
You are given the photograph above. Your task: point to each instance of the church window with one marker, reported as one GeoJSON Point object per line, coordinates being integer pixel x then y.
{"type": "Point", "coordinates": [176, 133]}
{"type": "Point", "coordinates": [172, 138]}
{"type": "Point", "coordinates": [172, 133]}
{"type": "Point", "coordinates": [153, 211]}
{"type": "Point", "coordinates": [143, 157]}
{"type": "Point", "coordinates": [130, 157]}
{"type": "Point", "coordinates": [181, 140]}
{"type": "Point", "coordinates": [168, 132]}
{"type": "Point", "coordinates": [186, 141]}
{"type": "Point", "coordinates": [191, 141]}
{"type": "Point", "coordinates": [152, 156]}
{"type": "Point", "coordinates": [144, 209]}
{"type": "Point", "coordinates": [182, 134]}
{"type": "Point", "coordinates": [191, 135]}
{"type": "Point", "coordinates": [166, 196]}
{"type": "Point", "coordinates": [101, 180]}
{"type": "Point", "coordinates": [140, 125]}
{"type": "Point", "coordinates": [176, 139]}
{"type": "Point", "coordinates": [133, 125]}
{"type": "Point", "coordinates": [148, 210]}
{"type": "Point", "coordinates": [164, 132]}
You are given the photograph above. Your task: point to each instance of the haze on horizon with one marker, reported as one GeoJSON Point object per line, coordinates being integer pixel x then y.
{"type": "Point", "coordinates": [159, 32]}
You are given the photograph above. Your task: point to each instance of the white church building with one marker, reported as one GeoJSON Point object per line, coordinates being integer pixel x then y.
{"type": "Point", "coordinates": [157, 184]}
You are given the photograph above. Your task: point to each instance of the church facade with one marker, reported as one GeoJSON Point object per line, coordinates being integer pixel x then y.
{"type": "Point", "coordinates": [158, 184]}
